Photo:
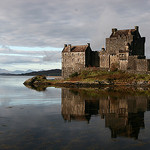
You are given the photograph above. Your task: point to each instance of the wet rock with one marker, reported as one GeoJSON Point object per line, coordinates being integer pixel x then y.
{"type": "Point", "coordinates": [37, 80]}
{"type": "Point", "coordinates": [38, 83]}
{"type": "Point", "coordinates": [143, 83]}
{"type": "Point", "coordinates": [105, 82]}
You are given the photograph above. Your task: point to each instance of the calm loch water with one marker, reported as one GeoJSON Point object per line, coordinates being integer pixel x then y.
{"type": "Point", "coordinates": [71, 119]}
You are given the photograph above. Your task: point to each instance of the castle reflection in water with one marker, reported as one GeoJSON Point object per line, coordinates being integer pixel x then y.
{"type": "Point", "coordinates": [123, 113]}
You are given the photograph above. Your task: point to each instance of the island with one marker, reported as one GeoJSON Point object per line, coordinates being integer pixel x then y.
{"type": "Point", "coordinates": [121, 63]}
{"type": "Point", "coordinates": [92, 79]}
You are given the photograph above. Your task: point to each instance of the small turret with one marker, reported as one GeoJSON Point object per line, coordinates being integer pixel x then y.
{"type": "Point", "coordinates": [103, 48]}
{"type": "Point", "coordinates": [65, 45]}
{"type": "Point", "coordinates": [137, 28]}
{"type": "Point", "coordinates": [88, 44]}
{"type": "Point", "coordinates": [114, 30]}
{"type": "Point", "coordinates": [69, 45]}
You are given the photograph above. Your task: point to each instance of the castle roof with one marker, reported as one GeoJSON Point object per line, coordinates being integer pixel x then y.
{"type": "Point", "coordinates": [127, 32]}
{"type": "Point", "coordinates": [78, 48]}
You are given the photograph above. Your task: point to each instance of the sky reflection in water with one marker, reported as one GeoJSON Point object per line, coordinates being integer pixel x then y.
{"type": "Point", "coordinates": [71, 119]}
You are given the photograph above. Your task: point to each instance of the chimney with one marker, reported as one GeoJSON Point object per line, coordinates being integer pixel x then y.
{"type": "Point", "coordinates": [88, 44]}
{"type": "Point", "coordinates": [69, 45]}
{"type": "Point", "coordinates": [65, 45]}
{"type": "Point", "coordinates": [137, 28]}
{"type": "Point", "coordinates": [114, 30]}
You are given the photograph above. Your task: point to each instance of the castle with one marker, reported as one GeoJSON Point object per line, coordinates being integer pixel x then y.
{"type": "Point", "coordinates": [125, 49]}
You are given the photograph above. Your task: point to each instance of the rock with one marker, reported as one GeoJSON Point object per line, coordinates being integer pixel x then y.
{"type": "Point", "coordinates": [104, 82]}
{"type": "Point", "coordinates": [142, 83]}
{"type": "Point", "coordinates": [40, 79]}
{"type": "Point", "coordinates": [38, 83]}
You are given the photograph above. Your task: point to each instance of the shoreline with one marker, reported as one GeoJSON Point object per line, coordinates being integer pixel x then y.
{"type": "Point", "coordinates": [43, 82]}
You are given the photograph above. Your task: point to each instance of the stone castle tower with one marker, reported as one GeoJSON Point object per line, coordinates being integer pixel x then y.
{"type": "Point", "coordinates": [75, 58]}
{"type": "Point", "coordinates": [125, 49]}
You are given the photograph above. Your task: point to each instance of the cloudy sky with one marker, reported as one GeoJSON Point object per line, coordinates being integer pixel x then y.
{"type": "Point", "coordinates": [33, 32]}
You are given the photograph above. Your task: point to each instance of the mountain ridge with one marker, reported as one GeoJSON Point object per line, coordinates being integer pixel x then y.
{"type": "Point", "coordinates": [52, 72]}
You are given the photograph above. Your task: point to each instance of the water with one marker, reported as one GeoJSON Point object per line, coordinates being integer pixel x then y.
{"type": "Point", "coordinates": [71, 119]}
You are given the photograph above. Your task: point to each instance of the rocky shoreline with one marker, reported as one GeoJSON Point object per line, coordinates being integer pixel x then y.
{"type": "Point", "coordinates": [42, 82]}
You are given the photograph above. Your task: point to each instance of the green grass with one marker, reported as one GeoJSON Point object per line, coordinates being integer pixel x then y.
{"type": "Point", "coordinates": [120, 76]}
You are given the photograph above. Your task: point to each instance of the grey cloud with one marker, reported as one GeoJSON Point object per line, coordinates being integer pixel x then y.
{"type": "Point", "coordinates": [53, 23]}
{"type": "Point", "coordinates": [17, 56]}
{"type": "Point", "coordinates": [19, 59]}
{"type": "Point", "coordinates": [52, 56]}
{"type": "Point", "coordinates": [40, 53]}
{"type": "Point", "coordinates": [7, 50]}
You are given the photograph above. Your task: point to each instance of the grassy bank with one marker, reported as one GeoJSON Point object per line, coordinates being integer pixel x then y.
{"type": "Point", "coordinates": [116, 76]}
{"type": "Point", "coordinates": [91, 79]}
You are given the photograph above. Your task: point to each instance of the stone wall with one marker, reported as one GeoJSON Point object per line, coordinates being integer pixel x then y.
{"type": "Point", "coordinates": [115, 44]}
{"type": "Point", "coordinates": [95, 59]}
{"type": "Point", "coordinates": [132, 63]}
{"type": "Point", "coordinates": [138, 64]}
{"type": "Point", "coordinates": [123, 60]}
{"type": "Point", "coordinates": [104, 60]}
{"type": "Point", "coordinates": [135, 43]}
{"type": "Point", "coordinates": [138, 46]}
{"type": "Point", "coordinates": [114, 59]}
{"type": "Point", "coordinates": [75, 61]}
{"type": "Point", "coordinates": [143, 64]}
{"type": "Point", "coordinates": [123, 64]}
{"type": "Point", "coordinates": [88, 57]}
{"type": "Point", "coordinates": [72, 62]}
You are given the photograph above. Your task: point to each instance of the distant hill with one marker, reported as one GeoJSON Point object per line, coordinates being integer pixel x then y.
{"type": "Point", "coordinates": [4, 71]}
{"type": "Point", "coordinates": [21, 72]}
{"type": "Point", "coordinates": [53, 72]}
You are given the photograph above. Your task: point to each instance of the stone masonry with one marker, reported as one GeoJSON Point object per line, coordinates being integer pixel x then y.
{"type": "Point", "coordinates": [125, 50]}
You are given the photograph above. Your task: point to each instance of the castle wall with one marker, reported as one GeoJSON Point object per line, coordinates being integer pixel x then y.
{"type": "Point", "coordinates": [95, 59]}
{"type": "Point", "coordinates": [143, 64]}
{"type": "Point", "coordinates": [113, 45]}
{"type": "Point", "coordinates": [132, 65]}
{"type": "Point", "coordinates": [123, 64]}
{"type": "Point", "coordinates": [72, 62]}
{"type": "Point", "coordinates": [137, 64]}
{"type": "Point", "coordinates": [138, 46]}
{"type": "Point", "coordinates": [123, 60]}
{"type": "Point", "coordinates": [114, 59]}
{"type": "Point", "coordinates": [88, 57]}
{"type": "Point", "coordinates": [104, 60]}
